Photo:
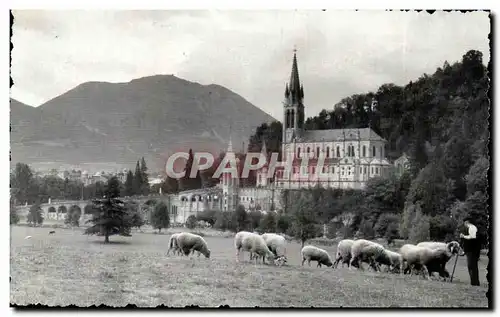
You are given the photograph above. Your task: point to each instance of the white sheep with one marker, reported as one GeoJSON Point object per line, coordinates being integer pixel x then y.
{"type": "Point", "coordinates": [312, 253]}
{"type": "Point", "coordinates": [172, 244]}
{"type": "Point", "coordinates": [190, 242]}
{"type": "Point", "coordinates": [453, 246]}
{"type": "Point", "coordinates": [426, 258]}
{"type": "Point", "coordinates": [343, 252]}
{"type": "Point", "coordinates": [392, 260]}
{"type": "Point", "coordinates": [277, 244]}
{"type": "Point", "coordinates": [367, 251]}
{"type": "Point", "coordinates": [253, 243]}
{"type": "Point", "coordinates": [439, 265]}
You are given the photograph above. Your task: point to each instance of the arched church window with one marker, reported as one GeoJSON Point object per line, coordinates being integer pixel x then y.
{"type": "Point", "coordinates": [364, 150]}
{"type": "Point", "coordinates": [327, 151]}
{"type": "Point", "coordinates": [338, 151]}
{"type": "Point", "coordinates": [317, 151]}
{"type": "Point", "coordinates": [374, 151]}
{"type": "Point", "coordinates": [292, 119]}
{"type": "Point", "coordinates": [298, 152]}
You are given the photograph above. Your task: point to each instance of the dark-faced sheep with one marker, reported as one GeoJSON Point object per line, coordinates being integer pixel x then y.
{"type": "Point", "coordinates": [312, 253]}
{"type": "Point", "coordinates": [253, 243]}
{"type": "Point", "coordinates": [343, 252]}
{"type": "Point", "coordinates": [439, 264]}
{"type": "Point", "coordinates": [190, 242]}
{"type": "Point", "coordinates": [422, 257]}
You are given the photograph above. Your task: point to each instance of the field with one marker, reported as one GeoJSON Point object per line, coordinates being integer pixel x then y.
{"type": "Point", "coordinates": [71, 268]}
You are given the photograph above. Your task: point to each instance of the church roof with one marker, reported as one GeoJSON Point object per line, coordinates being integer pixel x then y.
{"type": "Point", "coordinates": [310, 136]}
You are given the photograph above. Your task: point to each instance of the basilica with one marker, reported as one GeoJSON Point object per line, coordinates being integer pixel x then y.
{"type": "Point", "coordinates": [350, 157]}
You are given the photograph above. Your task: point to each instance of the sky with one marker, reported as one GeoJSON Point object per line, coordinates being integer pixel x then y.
{"type": "Point", "coordinates": [340, 53]}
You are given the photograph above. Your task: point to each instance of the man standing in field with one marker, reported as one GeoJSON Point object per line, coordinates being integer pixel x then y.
{"type": "Point", "coordinates": [472, 249]}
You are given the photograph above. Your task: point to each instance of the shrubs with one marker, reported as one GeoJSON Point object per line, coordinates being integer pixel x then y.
{"type": "Point", "coordinates": [383, 223]}
{"type": "Point", "coordinates": [420, 228]}
{"type": "Point", "coordinates": [268, 222]}
{"type": "Point", "coordinates": [283, 223]}
{"type": "Point", "coordinates": [365, 230]}
{"type": "Point", "coordinates": [191, 222]}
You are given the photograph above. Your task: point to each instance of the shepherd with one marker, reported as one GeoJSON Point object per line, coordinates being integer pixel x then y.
{"type": "Point", "coordinates": [472, 249]}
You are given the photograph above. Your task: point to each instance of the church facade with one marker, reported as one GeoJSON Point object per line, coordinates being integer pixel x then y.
{"type": "Point", "coordinates": [350, 156]}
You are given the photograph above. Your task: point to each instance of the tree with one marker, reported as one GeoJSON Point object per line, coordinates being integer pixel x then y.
{"type": "Point", "coordinates": [144, 178]}
{"type": "Point", "coordinates": [225, 221]}
{"type": "Point", "coordinates": [392, 232]}
{"type": "Point", "coordinates": [242, 219]}
{"type": "Point", "coordinates": [366, 230]}
{"type": "Point", "coordinates": [304, 218]}
{"type": "Point", "coordinates": [14, 217]}
{"type": "Point", "coordinates": [35, 216]}
{"type": "Point", "coordinates": [23, 184]}
{"type": "Point", "coordinates": [73, 216]}
{"type": "Point", "coordinates": [268, 222]}
{"type": "Point", "coordinates": [420, 228]}
{"type": "Point", "coordinates": [110, 216]}
{"type": "Point", "coordinates": [129, 184]}
{"type": "Point", "coordinates": [384, 221]}
{"type": "Point", "coordinates": [160, 217]}
{"type": "Point", "coordinates": [113, 187]}
{"type": "Point", "coordinates": [254, 218]}
{"type": "Point", "coordinates": [283, 223]}
{"type": "Point", "coordinates": [209, 216]}
{"type": "Point", "coordinates": [191, 222]}
{"type": "Point", "coordinates": [138, 179]}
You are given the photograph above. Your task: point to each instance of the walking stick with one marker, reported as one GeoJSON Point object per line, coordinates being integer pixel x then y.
{"type": "Point", "coordinates": [454, 266]}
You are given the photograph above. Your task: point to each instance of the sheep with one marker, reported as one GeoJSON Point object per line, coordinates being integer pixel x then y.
{"type": "Point", "coordinates": [276, 243]}
{"type": "Point", "coordinates": [312, 253]}
{"type": "Point", "coordinates": [172, 244]}
{"type": "Point", "coordinates": [391, 259]}
{"type": "Point", "coordinates": [367, 251]}
{"type": "Point", "coordinates": [453, 246]}
{"type": "Point", "coordinates": [426, 258]}
{"type": "Point", "coordinates": [254, 244]}
{"type": "Point", "coordinates": [343, 252]}
{"type": "Point", "coordinates": [439, 265]}
{"type": "Point", "coordinates": [190, 242]}
{"type": "Point", "coordinates": [52, 232]}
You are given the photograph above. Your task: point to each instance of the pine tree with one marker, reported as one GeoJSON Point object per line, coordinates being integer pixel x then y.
{"type": "Point", "coordinates": [137, 179]}
{"type": "Point", "coordinates": [14, 217]}
{"type": "Point", "coordinates": [35, 216]}
{"type": "Point", "coordinates": [144, 178]}
{"type": "Point", "coordinates": [420, 228]}
{"type": "Point", "coordinates": [160, 218]}
{"type": "Point", "coordinates": [110, 216]}
{"type": "Point", "coordinates": [129, 184]}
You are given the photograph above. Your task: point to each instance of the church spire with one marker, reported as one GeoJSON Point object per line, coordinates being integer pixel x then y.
{"type": "Point", "coordinates": [295, 88]}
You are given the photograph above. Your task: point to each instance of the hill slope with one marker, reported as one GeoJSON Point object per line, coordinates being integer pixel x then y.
{"type": "Point", "coordinates": [99, 122]}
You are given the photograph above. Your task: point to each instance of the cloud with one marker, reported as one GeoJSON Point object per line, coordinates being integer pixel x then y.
{"type": "Point", "coordinates": [339, 52]}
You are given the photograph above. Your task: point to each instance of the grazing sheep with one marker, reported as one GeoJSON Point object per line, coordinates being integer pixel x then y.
{"type": "Point", "coordinates": [253, 243]}
{"type": "Point", "coordinates": [190, 242]}
{"type": "Point", "coordinates": [276, 243]}
{"type": "Point", "coordinates": [312, 253]}
{"type": "Point", "coordinates": [52, 232]}
{"type": "Point", "coordinates": [453, 246]}
{"type": "Point", "coordinates": [343, 252]}
{"type": "Point", "coordinates": [425, 258]}
{"type": "Point", "coordinates": [172, 244]}
{"type": "Point", "coordinates": [439, 264]}
{"type": "Point", "coordinates": [392, 260]}
{"type": "Point", "coordinates": [367, 251]}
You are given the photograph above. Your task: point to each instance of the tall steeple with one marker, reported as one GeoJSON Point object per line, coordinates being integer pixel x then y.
{"type": "Point", "coordinates": [293, 106]}
{"type": "Point", "coordinates": [294, 85]}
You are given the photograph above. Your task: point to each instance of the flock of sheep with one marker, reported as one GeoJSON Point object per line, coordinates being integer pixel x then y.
{"type": "Point", "coordinates": [428, 257]}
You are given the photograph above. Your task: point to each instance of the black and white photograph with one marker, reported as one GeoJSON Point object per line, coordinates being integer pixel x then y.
{"type": "Point", "coordinates": [250, 158]}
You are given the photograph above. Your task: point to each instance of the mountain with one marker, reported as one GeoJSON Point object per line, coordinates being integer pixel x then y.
{"type": "Point", "coordinates": [117, 123]}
